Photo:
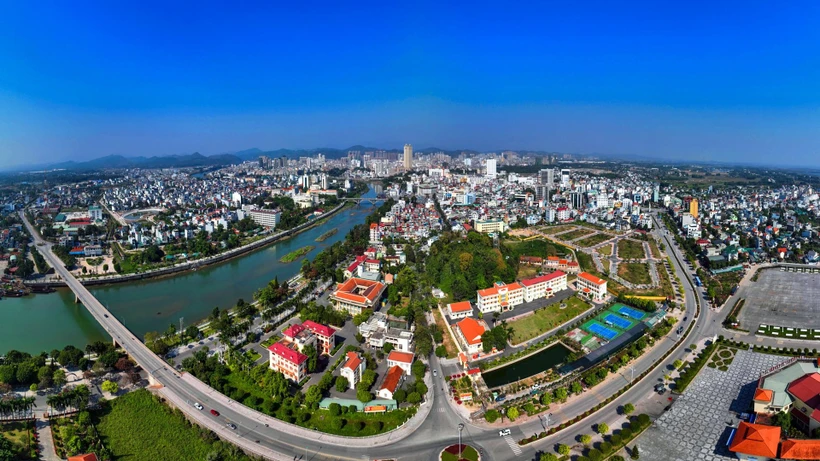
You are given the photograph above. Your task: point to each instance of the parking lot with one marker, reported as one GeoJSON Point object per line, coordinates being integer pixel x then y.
{"type": "Point", "coordinates": [698, 424]}
{"type": "Point", "coordinates": [785, 299]}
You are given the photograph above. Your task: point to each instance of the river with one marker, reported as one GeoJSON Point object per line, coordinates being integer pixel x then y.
{"type": "Point", "coordinates": [51, 321]}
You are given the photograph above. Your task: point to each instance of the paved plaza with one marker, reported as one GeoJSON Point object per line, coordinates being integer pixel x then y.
{"type": "Point", "coordinates": [697, 426]}
{"type": "Point", "coordinates": [786, 299]}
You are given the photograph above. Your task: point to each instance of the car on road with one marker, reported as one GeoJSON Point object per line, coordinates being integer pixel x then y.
{"type": "Point", "coordinates": [504, 432]}
{"type": "Point", "coordinates": [231, 425]}
{"type": "Point", "coordinates": [197, 406]}
{"type": "Point", "coordinates": [105, 315]}
{"type": "Point", "coordinates": [435, 372]}
{"type": "Point", "coordinates": [660, 388]}
{"type": "Point", "coordinates": [214, 412]}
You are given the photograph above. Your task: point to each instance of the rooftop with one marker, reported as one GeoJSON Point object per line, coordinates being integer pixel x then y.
{"type": "Point", "coordinates": [287, 353]}
{"type": "Point", "coordinates": [542, 279]}
{"type": "Point", "coordinates": [756, 440]}
{"type": "Point", "coordinates": [392, 379]}
{"type": "Point", "coordinates": [398, 356]}
{"type": "Point", "coordinates": [471, 329]}
{"type": "Point", "coordinates": [800, 449]}
{"type": "Point", "coordinates": [779, 381]}
{"type": "Point", "coordinates": [462, 306]}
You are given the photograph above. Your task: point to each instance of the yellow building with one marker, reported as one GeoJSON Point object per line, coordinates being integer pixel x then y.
{"type": "Point", "coordinates": [693, 207]}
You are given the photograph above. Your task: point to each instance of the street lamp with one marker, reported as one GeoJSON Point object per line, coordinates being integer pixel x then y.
{"type": "Point", "coordinates": [460, 428]}
{"type": "Point", "coordinates": [548, 421]}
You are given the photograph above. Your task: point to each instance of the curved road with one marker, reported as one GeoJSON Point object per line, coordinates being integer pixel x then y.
{"type": "Point", "coordinates": [272, 439]}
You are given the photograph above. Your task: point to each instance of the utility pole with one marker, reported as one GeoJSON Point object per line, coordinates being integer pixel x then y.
{"type": "Point", "coordinates": [460, 428]}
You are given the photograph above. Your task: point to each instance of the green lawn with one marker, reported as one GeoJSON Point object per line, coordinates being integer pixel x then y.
{"type": "Point", "coordinates": [605, 250]}
{"type": "Point", "coordinates": [593, 240]}
{"type": "Point", "coordinates": [525, 271]}
{"type": "Point", "coordinates": [637, 273]}
{"type": "Point", "coordinates": [545, 319]}
{"type": "Point", "coordinates": [296, 254]}
{"type": "Point", "coordinates": [137, 426]}
{"type": "Point", "coordinates": [552, 230]}
{"type": "Point", "coordinates": [630, 249]}
{"type": "Point", "coordinates": [653, 247]}
{"type": "Point", "coordinates": [577, 233]}
{"type": "Point", "coordinates": [21, 437]}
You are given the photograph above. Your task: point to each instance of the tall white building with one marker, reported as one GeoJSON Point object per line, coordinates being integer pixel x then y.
{"type": "Point", "coordinates": [491, 171]}
{"type": "Point", "coordinates": [565, 177]}
{"type": "Point", "coordinates": [408, 157]}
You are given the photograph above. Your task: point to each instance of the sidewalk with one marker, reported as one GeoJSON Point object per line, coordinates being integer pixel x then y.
{"type": "Point", "coordinates": [46, 441]}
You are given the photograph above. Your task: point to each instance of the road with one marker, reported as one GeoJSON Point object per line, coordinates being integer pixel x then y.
{"type": "Point", "coordinates": [264, 436]}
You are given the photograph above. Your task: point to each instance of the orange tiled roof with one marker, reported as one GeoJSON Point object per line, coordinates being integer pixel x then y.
{"type": "Point", "coordinates": [392, 378]}
{"type": "Point", "coordinates": [462, 306]}
{"type": "Point", "coordinates": [763, 395]}
{"type": "Point", "coordinates": [398, 356]}
{"type": "Point", "coordinates": [353, 361]}
{"type": "Point", "coordinates": [800, 449]}
{"type": "Point", "coordinates": [591, 278]}
{"type": "Point", "coordinates": [88, 457]}
{"type": "Point", "coordinates": [348, 290]}
{"type": "Point", "coordinates": [471, 329]}
{"type": "Point", "coordinates": [756, 440]}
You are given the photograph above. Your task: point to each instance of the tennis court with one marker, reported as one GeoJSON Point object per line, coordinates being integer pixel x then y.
{"type": "Point", "coordinates": [601, 331]}
{"type": "Point", "coordinates": [619, 322]}
{"type": "Point", "coordinates": [630, 312]}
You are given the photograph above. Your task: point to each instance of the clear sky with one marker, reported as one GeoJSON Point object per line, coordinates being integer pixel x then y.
{"type": "Point", "coordinates": [727, 81]}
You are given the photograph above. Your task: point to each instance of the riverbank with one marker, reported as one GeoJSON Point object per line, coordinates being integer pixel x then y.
{"type": "Point", "coordinates": [196, 264]}
{"type": "Point", "coordinates": [327, 235]}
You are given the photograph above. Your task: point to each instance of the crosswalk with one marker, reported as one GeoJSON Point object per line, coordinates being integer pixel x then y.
{"type": "Point", "coordinates": [513, 445]}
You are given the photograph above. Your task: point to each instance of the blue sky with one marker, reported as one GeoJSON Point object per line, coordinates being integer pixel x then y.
{"type": "Point", "coordinates": [734, 81]}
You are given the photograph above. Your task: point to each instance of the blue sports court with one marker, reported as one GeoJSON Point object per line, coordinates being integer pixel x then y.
{"type": "Point", "coordinates": [619, 322]}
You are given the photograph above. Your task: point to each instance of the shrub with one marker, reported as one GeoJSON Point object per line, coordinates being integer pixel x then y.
{"type": "Point", "coordinates": [338, 423]}
{"type": "Point", "coordinates": [491, 415]}
{"type": "Point", "coordinates": [617, 458]}
{"type": "Point", "coordinates": [626, 434]}
{"type": "Point", "coordinates": [563, 449]}
{"type": "Point", "coordinates": [634, 453]}
{"type": "Point", "coordinates": [334, 409]}
{"type": "Point", "coordinates": [605, 447]}
{"type": "Point", "coordinates": [595, 455]}
{"type": "Point", "coordinates": [615, 440]}
{"type": "Point", "coordinates": [643, 420]}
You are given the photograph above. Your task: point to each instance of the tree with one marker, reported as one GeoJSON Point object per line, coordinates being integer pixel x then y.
{"type": "Point", "coordinates": [110, 387]}
{"type": "Point", "coordinates": [546, 398]}
{"type": "Point", "coordinates": [418, 369]}
{"type": "Point", "coordinates": [342, 384]}
{"type": "Point", "coordinates": [561, 394]}
{"type": "Point", "coordinates": [629, 409]}
{"type": "Point", "coordinates": [512, 413]}
{"type": "Point", "coordinates": [585, 439]}
{"type": "Point", "coordinates": [634, 454]}
{"type": "Point", "coordinates": [313, 396]}
{"type": "Point", "coordinates": [363, 395]}
{"type": "Point", "coordinates": [59, 377]}
{"type": "Point", "coordinates": [441, 351]}
{"type": "Point", "coordinates": [33, 388]}
{"type": "Point", "coordinates": [563, 449]}
{"type": "Point", "coordinates": [603, 428]}
{"type": "Point", "coordinates": [335, 409]}
{"type": "Point", "coordinates": [414, 398]}
{"type": "Point", "coordinates": [548, 457]}
{"type": "Point", "coordinates": [576, 387]}
{"type": "Point", "coordinates": [677, 364]}
{"type": "Point", "coordinates": [400, 396]}
{"type": "Point", "coordinates": [388, 348]}
{"type": "Point", "coordinates": [313, 357]}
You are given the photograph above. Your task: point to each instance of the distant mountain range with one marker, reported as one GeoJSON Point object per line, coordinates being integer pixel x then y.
{"type": "Point", "coordinates": [197, 160]}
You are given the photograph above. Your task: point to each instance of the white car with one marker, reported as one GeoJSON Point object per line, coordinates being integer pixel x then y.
{"type": "Point", "coordinates": [435, 372]}
{"type": "Point", "coordinates": [504, 432]}
{"type": "Point", "coordinates": [198, 406]}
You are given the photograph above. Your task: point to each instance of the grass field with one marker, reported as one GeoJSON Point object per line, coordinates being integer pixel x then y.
{"type": "Point", "coordinates": [131, 425]}
{"type": "Point", "coordinates": [526, 271]}
{"type": "Point", "coordinates": [552, 230]}
{"type": "Point", "coordinates": [637, 273]}
{"type": "Point", "coordinates": [577, 233]}
{"type": "Point", "coordinates": [630, 249]}
{"type": "Point", "coordinates": [653, 247]}
{"type": "Point", "coordinates": [21, 436]}
{"type": "Point", "coordinates": [545, 319]}
{"type": "Point", "coordinates": [592, 240]}
{"type": "Point", "coordinates": [605, 250]}
{"type": "Point", "coordinates": [536, 247]}
{"type": "Point", "coordinates": [449, 343]}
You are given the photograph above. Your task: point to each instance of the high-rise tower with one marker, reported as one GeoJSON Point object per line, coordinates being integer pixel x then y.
{"type": "Point", "coordinates": [408, 157]}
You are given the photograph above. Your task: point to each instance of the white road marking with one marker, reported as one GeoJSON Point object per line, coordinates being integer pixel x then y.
{"type": "Point", "coordinates": [513, 445]}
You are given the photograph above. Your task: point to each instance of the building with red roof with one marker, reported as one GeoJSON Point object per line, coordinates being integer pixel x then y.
{"type": "Point", "coordinates": [500, 297]}
{"type": "Point", "coordinates": [353, 369]}
{"type": "Point", "coordinates": [469, 331]}
{"type": "Point", "coordinates": [356, 295]}
{"type": "Point", "coordinates": [793, 388]}
{"type": "Point", "coordinates": [391, 382]}
{"type": "Point", "coordinates": [403, 360]}
{"type": "Point", "coordinates": [288, 361]}
{"type": "Point", "coordinates": [325, 335]}
{"type": "Point", "coordinates": [86, 457]}
{"type": "Point", "coordinates": [459, 310]}
{"type": "Point", "coordinates": [800, 449]}
{"type": "Point", "coordinates": [353, 268]}
{"type": "Point", "coordinates": [591, 286]}
{"type": "Point", "coordinates": [544, 286]}
{"type": "Point", "coordinates": [755, 441]}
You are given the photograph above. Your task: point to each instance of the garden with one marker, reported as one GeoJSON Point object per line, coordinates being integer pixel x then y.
{"type": "Point", "coordinates": [546, 318]}
{"type": "Point", "coordinates": [592, 240]}
{"type": "Point", "coordinates": [722, 358]}
{"type": "Point", "coordinates": [18, 441]}
{"type": "Point", "coordinates": [575, 234]}
{"type": "Point", "coordinates": [637, 273]}
{"type": "Point", "coordinates": [459, 453]}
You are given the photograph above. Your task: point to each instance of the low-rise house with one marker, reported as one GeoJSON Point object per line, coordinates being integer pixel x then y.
{"type": "Point", "coordinates": [353, 369]}
{"type": "Point", "coordinates": [469, 331]}
{"type": "Point", "coordinates": [289, 362]}
{"type": "Point", "coordinates": [391, 383]}
{"type": "Point", "coordinates": [403, 360]}
{"type": "Point", "coordinates": [591, 286]}
{"type": "Point", "coordinates": [459, 310]}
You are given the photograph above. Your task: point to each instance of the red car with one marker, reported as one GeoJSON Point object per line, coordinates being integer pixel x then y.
{"type": "Point", "coordinates": [214, 412]}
